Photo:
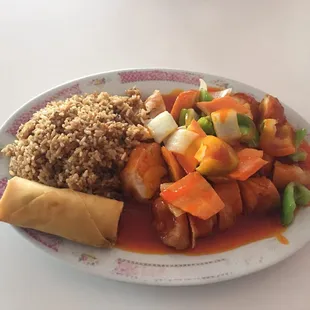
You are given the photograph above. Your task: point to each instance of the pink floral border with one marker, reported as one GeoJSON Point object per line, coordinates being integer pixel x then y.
{"type": "Point", "coordinates": [159, 75]}
{"type": "Point", "coordinates": [136, 270]}
{"type": "Point", "coordinates": [3, 183]}
{"type": "Point", "coordinates": [88, 259]}
{"type": "Point", "coordinates": [50, 241]}
{"type": "Point", "coordinates": [26, 116]}
{"type": "Point", "coordinates": [97, 82]}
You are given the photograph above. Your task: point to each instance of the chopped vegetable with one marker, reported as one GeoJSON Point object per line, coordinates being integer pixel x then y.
{"type": "Point", "coordinates": [172, 230]}
{"type": "Point", "coordinates": [186, 117]}
{"type": "Point", "coordinates": [284, 174]}
{"type": "Point", "coordinates": [277, 140]}
{"type": "Point", "coordinates": [249, 133]}
{"type": "Point", "coordinates": [250, 161]}
{"type": "Point", "coordinates": [203, 84]}
{"type": "Point", "coordinates": [195, 127]}
{"type": "Point", "coordinates": [180, 140]}
{"type": "Point", "coordinates": [206, 124]}
{"type": "Point", "coordinates": [220, 93]}
{"type": "Point", "coordinates": [230, 195]}
{"type": "Point", "coordinates": [249, 102]}
{"type": "Point", "coordinates": [185, 100]}
{"type": "Point", "coordinates": [259, 195]}
{"type": "Point", "coordinates": [204, 95]}
{"type": "Point", "coordinates": [142, 174]}
{"type": "Point", "coordinates": [226, 125]}
{"type": "Point", "coordinates": [300, 135]}
{"type": "Point", "coordinates": [201, 228]}
{"type": "Point", "coordinates": [223, 103]}
{"type": "Point", "coordinates": [270, 107]}
{"type": "Point", "coordinates": [190, 115]}
{"type": "Point", "coordinates": [182, 117]}
{"type": "Point", "coordinates": [164, 186]}
{"type": "Point", "coordinates": [216, 157]}
{"type": "Point", "coordinates": [175, 211]}
{"type": "Point", "coordinates": [193, 194]}
{"type": "Point", "coordinates": [294, 195]}
{"type": "Point", "coordinates": [162, 126]}
{"type": "Point", "coordinates": [175, 170]}
{"type": "Point", "coordinates": [155, 104]}
{"type": "Point", "coordinates": [299, 155]}
{"type": "Point", "coordinates": [188, 163]}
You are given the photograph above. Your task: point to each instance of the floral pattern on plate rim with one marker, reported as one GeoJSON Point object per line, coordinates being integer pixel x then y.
{"type": "Point", "coordinates": [88, 259]}
{"type": "Point", "coordinates": [50, 241]}
{"type": "Point", "coordinates": [159, 75]}
{"type": "Point", "coordinates": [136, 270]}
{"type": "Point", "coordinates": [97, 82]}
{"type": "Point", "coordinates": [3, 183]}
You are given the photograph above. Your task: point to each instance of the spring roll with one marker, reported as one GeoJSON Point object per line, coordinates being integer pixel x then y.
{"type": "Point", "coordinates": [84, 218]}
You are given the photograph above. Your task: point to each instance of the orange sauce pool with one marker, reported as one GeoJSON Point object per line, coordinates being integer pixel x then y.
{"type": "Point", "coordinates": [137, 233]}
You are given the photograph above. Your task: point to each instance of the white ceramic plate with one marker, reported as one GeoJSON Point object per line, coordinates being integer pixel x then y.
{"type": "Point", "coordinates": [156, 269]}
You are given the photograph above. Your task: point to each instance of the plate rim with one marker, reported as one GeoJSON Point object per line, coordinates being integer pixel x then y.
{"type": "Point", "coordinates": [256, 268]}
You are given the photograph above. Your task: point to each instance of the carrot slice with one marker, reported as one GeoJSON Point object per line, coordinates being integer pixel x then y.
{"type": "Point", "coordinates": [175, 170]}
{"type": "Point", "coordinates": [193, 194]}
{"type": "Point", "coordinates": [250, 161]}
{"type": "Point", "coordinates": [259, 195]}
{"type": "Point", "coordinates": [195, 127]}
{"type": "Point", "coordinates": [226, 102]}
{"type": "Point", "coordinates": [189, 163]}
{"type": "Point", "coordinates": [185, 100]}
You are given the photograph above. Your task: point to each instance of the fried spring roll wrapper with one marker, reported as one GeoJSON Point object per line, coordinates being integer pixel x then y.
{"type": "Point", "coordinates": [88, 219]}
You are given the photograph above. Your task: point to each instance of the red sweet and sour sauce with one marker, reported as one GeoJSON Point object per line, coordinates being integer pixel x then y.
{"type": "Point", "coordinates": [137, 233]}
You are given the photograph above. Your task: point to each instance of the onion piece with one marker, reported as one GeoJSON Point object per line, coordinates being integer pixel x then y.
{"type": "Point", "coordinates": [221, 93]}
{"type": "Point", "coordinates": [164, 186]}
{"type": "Point", "coordinates": [175, 211]}
{"type": "Point", "coordinates": [162, 126]}
{"type": "Point", "coordinates": [225, 124]}
{"type": "Point", "coordinates": [203, 84]}
{"type": "Point", "coordinates": [180, 140]}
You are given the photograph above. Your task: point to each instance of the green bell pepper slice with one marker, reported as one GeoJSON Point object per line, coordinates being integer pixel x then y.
{"type": "Point", "coordinates": [186, 117]}
{"type": "Point", "coordinates": [300, 135]}
{"type": "Point", "coordinates": [299, 155]}
{"type": "Point", "coordinates": [249, 133]}
{"type": "Point", "coordinates": [204, 95]}
{"type": "Point", "coordinates": [294, 195]}
{"type": "Point", "coordinates": [182, 117]}
{"type": "Point", "coordinates": [206, 124]}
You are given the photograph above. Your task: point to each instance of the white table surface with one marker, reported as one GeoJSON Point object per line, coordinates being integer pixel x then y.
{"type": "Point", "coordinates": [263, 43]}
